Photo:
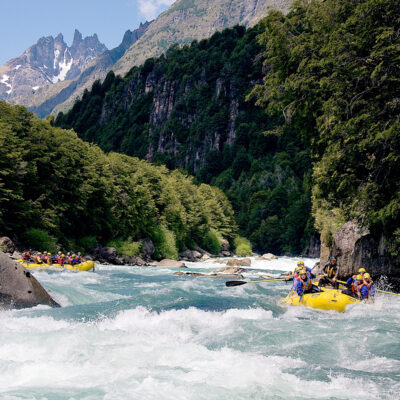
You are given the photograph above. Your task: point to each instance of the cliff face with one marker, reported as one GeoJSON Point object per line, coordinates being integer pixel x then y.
{"type": "Point", "coordinates": [355, 247]}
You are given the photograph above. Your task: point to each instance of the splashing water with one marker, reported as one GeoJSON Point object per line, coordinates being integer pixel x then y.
{"type": "Point", "coordinates": [143, 333]}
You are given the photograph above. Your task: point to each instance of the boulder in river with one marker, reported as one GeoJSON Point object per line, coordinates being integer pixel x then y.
{"type": "Point", "coordinates": [7, 245]}
{"type": "Point", "coordinates": [169, 263]}
{"type": "Point", "coordinates": [148, 248]}
{"type": "Point", "coordinates": [269, 257]}
{"type": "Point", "coordinates": [239, 262]}
{"type": "Point", "coordinates": [230, 270]}
{"type": "Point", "coordinates": [190, 255]}
{"type": "Point", "coordinates": [19, 288]}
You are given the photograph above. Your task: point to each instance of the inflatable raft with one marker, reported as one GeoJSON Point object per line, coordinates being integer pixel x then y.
{"type": "Point", "coordinates": [84, 266]}
{"type": "Point", "coordinates": [327, 299]}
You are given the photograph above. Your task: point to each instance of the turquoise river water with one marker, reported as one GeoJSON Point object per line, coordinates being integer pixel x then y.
{"type": "Point", "coordinates": [143, 333]}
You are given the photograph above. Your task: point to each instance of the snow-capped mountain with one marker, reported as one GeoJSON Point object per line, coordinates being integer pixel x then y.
{"type": "Point", "coordinates": [47, 62]}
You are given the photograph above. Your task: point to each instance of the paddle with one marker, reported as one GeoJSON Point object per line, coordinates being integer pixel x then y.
{"type": "Point", "coordinates": [238, 283]}
{"type": "Point", "coordinates": [377, 290]}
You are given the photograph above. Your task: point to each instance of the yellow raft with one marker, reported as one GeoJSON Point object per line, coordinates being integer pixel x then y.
{"type": "Point", "coordinates": [84, 266]}
{"type": "Point", "coordinates": [327, 299]}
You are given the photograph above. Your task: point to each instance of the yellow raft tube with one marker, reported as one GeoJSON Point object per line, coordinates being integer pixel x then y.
{"type": "Point", "coordinates": [84, 266]}
{"type": "Point", "coordinates": [327, 299]}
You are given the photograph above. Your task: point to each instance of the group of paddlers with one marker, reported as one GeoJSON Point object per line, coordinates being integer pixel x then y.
{"type": "Point", "coordinates": [360, 286]}
{"type": "Point", "coordinates": [48, 258]}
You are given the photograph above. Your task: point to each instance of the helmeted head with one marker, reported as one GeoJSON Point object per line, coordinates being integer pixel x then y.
{"type": "Point", "coordinates": [79, 253]}
{"type": "Point", "coordinates": [59, 253]}
{"type": "Point", "coordinates": [62, 255]}
{"type": "Point", "coordinates": [333, 260]}
{"type": "Point", "coordinates": [298, 268]}
{"type": "Point", "coordinates": [300, 263]}
{"type": "Point", "coordinates": [359, 278]}
{"type": "Point", "coordinates": [362, 271]}
{"type": "Point", "coordinates": [39, 253]}
{"type": "Point", "coordinates": [367, 276]}
{"type": "Point", "coordinates": [303, 273]}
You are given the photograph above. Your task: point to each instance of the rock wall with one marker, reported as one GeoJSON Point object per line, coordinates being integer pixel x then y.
{"type": "Point", "coordinates": [356, 247]}
{"type": "Point", "coordinates": [19, 288]}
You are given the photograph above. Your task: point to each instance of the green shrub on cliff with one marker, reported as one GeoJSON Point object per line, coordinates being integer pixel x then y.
{"type": "Point", "coordinates": [165, 243]}
{"type": "Point", "coordinates": [242, 246]}
{"type": "Point", "coordinates": [126, 247]}
{"type": "Point", "coordinates": [40, 240]}
{"type": "Point", "coordinates": [212, 241]}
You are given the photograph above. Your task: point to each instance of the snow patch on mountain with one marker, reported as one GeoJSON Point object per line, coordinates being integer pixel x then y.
{"type": "Point", "coordinates": [63, 66]}
{"type": "Point", "coordinates": [18, 67]}
{"type": "Point", "coordinates": [5, 82]}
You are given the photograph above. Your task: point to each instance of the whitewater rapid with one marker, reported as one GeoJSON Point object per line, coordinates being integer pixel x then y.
{"type": "Point", "coordinates": [143, 333]}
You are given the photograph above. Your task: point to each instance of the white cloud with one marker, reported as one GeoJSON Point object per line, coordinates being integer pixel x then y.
{"type": "Point", "coordinates": [151, 8]}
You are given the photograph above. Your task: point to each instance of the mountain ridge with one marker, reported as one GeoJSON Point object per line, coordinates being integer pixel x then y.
{"type": "Point", "coordinates": [49, 61]}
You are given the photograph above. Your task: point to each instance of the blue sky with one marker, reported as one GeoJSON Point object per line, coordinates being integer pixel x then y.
{"type": "Point", "coordinates": [23, 22]}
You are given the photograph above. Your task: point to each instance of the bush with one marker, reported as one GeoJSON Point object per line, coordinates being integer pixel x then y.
{"type": "Point", "coordinates": [242, 246]}
{"type": "Point", "coordinates": [164, 242]}
{"type": "Point", "coordinates": [88, 243]}
{"type": "Point", "coordinates": [40, 240]}
{"type": "Point", "coordinates": [126, 247]}
{"type": "Point", "coordinates": [212, 241]}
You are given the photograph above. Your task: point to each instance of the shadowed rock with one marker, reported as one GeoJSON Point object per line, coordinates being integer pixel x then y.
{"type": "Point", "coordinates": [19, 288]}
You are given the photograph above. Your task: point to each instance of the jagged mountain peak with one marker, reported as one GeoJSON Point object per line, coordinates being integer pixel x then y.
{"type": "Point", "coordinates": [48, 61]}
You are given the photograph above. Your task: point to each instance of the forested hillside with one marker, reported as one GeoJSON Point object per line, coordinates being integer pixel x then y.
{"type": "Point", "coordinates": [189, 110]}
{"type": "Point", "coordinates": [333, 71]}
{"type": "Point", "coordinates": [54, 183]}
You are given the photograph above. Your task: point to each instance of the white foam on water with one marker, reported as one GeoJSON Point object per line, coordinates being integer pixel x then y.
{"type": "Point", "coordinates": [144, 354]}
{"type": "Point", "coordinates": [256, 352]}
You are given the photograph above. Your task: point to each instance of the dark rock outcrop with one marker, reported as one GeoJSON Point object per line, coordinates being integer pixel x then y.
{"type": "Point", "coordinates": [7, 245]}
{"type": "Point", "coordinates": [190, 255]}
{"type": "Point", "coordinates": [357, 247]}
{"type": "Point", "coordinates": [19, 288]}
{"type": "Point", "coordinates": [148, 249]}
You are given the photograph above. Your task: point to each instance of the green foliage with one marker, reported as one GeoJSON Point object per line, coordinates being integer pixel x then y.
{"type": "Point", "coordinates": [88, 243]}
{"type": "Point", "coordinates": [52, 181]}
{"type": "Point", "coordinates": [333, 74]}
{"type": "Point", "coordinates": [39, 239]}
{"type": "Point", "coordinates": [126, 247]}
{"type": "Point", "coordinates": [210, 131]}
{"type": "Point", "coordinates": [242, 246]}
{"type": "Point", "coordinates": [212, 241]}
{"type": "Point", "coordinates": [164, 242]}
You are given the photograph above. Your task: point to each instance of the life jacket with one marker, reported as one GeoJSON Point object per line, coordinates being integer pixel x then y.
{"type": "Point", "coordinates": [354, 287]}
{"type": "Point", "coordinates": [38, 260]}
{"type": "Point", "coordinates": [27, 256]}
{"type": "Point", "coordinates": [60, 261]}
{"type": "Point", "coordinates": [306, 285]}
{"type": "Point", "coordinates": [331, 271]}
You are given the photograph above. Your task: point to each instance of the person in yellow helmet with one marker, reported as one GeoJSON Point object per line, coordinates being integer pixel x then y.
{"type": "Point", "coordinates": [369, 283]}
{"type": "Point", "coordinates": [331, 272]}
{"type": "Point", "coordinates": [304, 284]}
{"type": "Point", "coordinates": [38, 258]}
{"type": "Point", "coordinates": [357, 289]}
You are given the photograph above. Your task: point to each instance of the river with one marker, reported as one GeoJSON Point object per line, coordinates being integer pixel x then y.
{"type": "Point", "coordinates": [143, 333]}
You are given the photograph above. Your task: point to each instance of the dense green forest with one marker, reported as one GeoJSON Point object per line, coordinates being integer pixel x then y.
{"type": "Point", "coordinates": [333, 71]}
{"type": "Point", "coordinates": [188, 110]}
{"type": "Point", "coordinates": [57, 189]}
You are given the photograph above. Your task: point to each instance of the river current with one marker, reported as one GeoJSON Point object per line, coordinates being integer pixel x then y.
{"type": "Point", "coordinates": [143, 333]}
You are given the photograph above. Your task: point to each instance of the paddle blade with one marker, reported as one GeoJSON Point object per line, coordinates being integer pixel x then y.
{"type": "Point", "coordinates": [234, 283]}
